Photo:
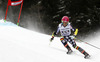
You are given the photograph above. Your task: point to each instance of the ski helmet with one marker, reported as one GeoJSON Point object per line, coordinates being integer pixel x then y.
{"type": "Point", "coordinates": [65, 19]}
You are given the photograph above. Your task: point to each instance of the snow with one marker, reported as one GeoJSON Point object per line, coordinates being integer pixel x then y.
{"type": "Point", "coordinates": [18, 44]}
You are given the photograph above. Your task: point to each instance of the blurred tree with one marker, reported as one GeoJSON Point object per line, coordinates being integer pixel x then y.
{"type": "Point", "coordinates": [83, 14]}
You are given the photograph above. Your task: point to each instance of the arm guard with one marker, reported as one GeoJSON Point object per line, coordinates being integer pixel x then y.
{"type": "Point", "coordinates": [76, 31]}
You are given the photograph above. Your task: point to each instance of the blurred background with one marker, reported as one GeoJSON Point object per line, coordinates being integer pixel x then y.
{"type": "Point", "coordinates": [45, 15]}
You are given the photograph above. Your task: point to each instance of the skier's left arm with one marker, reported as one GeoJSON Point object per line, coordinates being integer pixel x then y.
{"type": "Point", "coordinates": [75, 30]}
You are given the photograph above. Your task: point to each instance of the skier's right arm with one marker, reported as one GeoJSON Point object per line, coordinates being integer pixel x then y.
{"type": "Point", "coordinates": [54, 33]}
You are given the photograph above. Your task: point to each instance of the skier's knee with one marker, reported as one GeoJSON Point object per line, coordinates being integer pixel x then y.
{"type": "Point", "coordinates": [62, 38]}
{"type": "Point", "coordinates": [76, 47]}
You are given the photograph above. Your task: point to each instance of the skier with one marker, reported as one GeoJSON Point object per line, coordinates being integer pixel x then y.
{"type": "Point", "coordinates": [65, 30]}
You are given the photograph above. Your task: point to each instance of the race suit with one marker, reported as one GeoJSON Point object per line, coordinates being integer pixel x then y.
{"type": "Point", "coordinates": [65, 36]}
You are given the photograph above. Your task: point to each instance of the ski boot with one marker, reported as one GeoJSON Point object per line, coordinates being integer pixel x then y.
{"type": "Point", "coordinates": [69, 51]}
{"type": "Point", "coordinates": [86, 56]}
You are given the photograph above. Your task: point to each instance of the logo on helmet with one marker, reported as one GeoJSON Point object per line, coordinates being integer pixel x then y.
{"type": "Point", "coordinates": [65, 19]}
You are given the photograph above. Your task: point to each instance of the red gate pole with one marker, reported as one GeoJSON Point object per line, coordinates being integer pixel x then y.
{"type": "Point", "coordinates": [20, 13]}
{"type": "Point", "coordinates": [6, 12]}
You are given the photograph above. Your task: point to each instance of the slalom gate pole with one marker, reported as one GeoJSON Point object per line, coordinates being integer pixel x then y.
{"type": "Point", "coordinates": [87, 43]}
{"type": "Point", "coordinates": [6, 13]}
{"type": "Point", "coordinates": [19, 14]}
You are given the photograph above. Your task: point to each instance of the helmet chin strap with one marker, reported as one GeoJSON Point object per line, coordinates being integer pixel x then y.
{"type": "Point", "coordinates": [66, 24]}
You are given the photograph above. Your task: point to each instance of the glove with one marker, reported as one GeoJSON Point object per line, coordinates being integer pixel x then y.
{"type": "Point", "coordinates": [51, 39]}
{"type": "Point", "coordinates": [52, 36]}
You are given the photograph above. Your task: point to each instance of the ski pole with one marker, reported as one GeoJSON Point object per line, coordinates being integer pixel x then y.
{"type": "Point", "coordinates": [88, 44]}
{"type": "Point", "coordinates": [49, 43]}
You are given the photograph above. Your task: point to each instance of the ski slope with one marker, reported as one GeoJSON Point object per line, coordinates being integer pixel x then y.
{"type": "Point", "coordinates": [18, 44]}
